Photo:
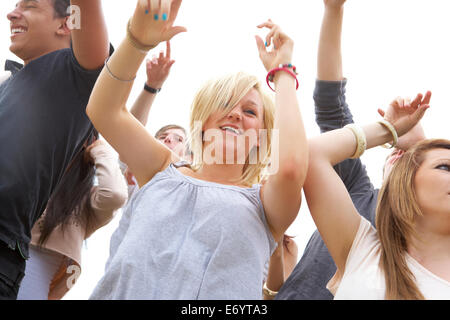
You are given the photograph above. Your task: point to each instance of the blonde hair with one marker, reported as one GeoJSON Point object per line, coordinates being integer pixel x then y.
{"type": "Point", "coordinates": [222, 95]}
{"type": "Point", "coordinates": [397, 209]}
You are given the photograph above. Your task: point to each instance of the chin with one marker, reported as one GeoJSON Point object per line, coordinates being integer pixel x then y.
{"type": "Point", "coordinates": [17, 50]}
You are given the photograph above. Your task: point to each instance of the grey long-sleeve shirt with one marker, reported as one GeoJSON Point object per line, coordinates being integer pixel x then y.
{"type": "Point", "coordinates": [316, 267]}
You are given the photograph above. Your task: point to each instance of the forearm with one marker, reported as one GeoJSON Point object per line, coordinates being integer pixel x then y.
{"type": "Point", "coordinates": [275, 276]}
{"type": "Point", "coordinates": [293, 145]}
{"type": "Point", "coordinates": [289, 163]}
{"type": "Point", "coordinates": [110, 95]}
{"type": "Point", "coordinates": [90, 42]}
{"type": "Point", "coordinates": [338, 145]}
{"type": "Point", "coordinates": [329, 60]}
{"type": "Point", "coordinates": [141, 107]}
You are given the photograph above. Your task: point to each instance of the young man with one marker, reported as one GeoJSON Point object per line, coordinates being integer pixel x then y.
{"type": "Point", "coordinates": [316, 267]}
{"type": "Point", "coordinates": [42, 115]}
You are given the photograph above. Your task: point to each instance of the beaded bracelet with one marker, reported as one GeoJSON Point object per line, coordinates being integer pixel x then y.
{"type": "Point", "coordinates": [282, 67]}
{"type": "Point", "coordinates": [393, 132]}
{"type": "Point", "coordinates": [360, 140]}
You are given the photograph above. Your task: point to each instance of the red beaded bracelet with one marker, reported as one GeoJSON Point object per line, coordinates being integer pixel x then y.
{"type": "Point", "coordinates": [282, 67]}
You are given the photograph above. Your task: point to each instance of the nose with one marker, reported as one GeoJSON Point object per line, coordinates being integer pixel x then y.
{"type": "Point", "coordinates": [15, 14]}
{"type": "Point", "coordinates": [235, 114]}
{"type": "Point", "coordinates": [168, 139]}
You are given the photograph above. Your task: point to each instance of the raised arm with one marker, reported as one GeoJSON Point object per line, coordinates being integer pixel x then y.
{"type": "Point", "coordinates": [331, 109]}
{"type": "Point", "coordinates": [329, 57]}
{"type": "Point", "coordinates": [329, 202]}
{"type": "Point", "coordinates": [107, 105]}
{"type": "Point", "coordinates": [281, 194]}
{"type": "Point", "coordinates": [157, 72]}
{"type": "Point", "coordinates": [90, 42]}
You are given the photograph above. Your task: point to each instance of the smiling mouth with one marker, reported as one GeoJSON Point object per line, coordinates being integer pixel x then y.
{"type": "Point", "coordinates": [17, 31]}
{"type": "Point", "coordinates": [231, 130]}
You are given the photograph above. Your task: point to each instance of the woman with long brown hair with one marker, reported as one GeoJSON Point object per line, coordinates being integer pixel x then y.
{"type": "Point", "coordinates": [407, 256]}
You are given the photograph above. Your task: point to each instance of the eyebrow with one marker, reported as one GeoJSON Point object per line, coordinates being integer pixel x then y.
{"type": "Point", "coordinates": [26, 2]}
{"type": "Point", "coordinates": [251, 103]}
{"type": "Point", "coordinates": [440, 160]}
{"type": "Point", "coordinates": [165, 135]}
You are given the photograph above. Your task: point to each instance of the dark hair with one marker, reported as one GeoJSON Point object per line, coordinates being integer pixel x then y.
{"type": "Point", "coordinates": [71, 198]}
{"type": "Point", "coordinates": [60, 7]}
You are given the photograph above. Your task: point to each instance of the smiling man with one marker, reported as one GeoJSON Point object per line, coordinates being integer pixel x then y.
{"type": "Point", "coordinates": [42, 116]}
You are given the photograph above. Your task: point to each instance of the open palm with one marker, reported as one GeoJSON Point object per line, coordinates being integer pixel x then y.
{"type": "Point", "coordinates": [405, 114]}
{"type": "Point", "coordinates": [153, 21]}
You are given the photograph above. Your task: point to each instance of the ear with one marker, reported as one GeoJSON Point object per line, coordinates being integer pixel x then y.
{"type": "Point", "coordinates": [63, 28]}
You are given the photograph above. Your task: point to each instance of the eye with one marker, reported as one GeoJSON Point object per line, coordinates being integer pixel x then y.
{"type": "Point", "coordinates": [445, 167]}
{"type": "Point", "coordinates": [249, 111]}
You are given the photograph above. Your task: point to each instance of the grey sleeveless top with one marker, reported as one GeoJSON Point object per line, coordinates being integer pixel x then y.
{"type": "Point", "coordinates": [185, 238]}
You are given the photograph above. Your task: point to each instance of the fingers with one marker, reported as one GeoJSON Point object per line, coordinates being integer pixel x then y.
{"type": "Point", "coordinates": [159, 9]}
{"type": "Point", "coordinates": [273, 29]}
{"type": "Point", "coordinates": [427, 98]}
{"type": "Point", "coordinates": [417, 100]}
{"type": "Point", "coordinates": [381, 112]}
{"type": "Point", "coordinates": [273, 36]}
{"type": "Point", "coordinates": [421, 111]}
{"type": "Point", "coordinates": [168, 50]}
{"type": "Point", "coordinates": [260, 45]}
{"type": "Point", "coordinates": [165, 9]}
{"type": "Point", "coordinates": [172, 32]}
{"type": "Point", "coordinates": [175, 6]}
{"type": "Point", "coordinates": [155, 9]}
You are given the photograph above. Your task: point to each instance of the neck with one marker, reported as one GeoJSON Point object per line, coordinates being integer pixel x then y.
{"type": "Point", "coordinates": [431, 250]}
{"type": "Point", "coordinates": [56, 47]}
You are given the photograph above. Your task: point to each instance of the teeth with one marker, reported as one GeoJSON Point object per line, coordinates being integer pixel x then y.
{"type": "Point", "coordinates": [231, 129]}
{"type": "Point", "coordinates": [18, 30]}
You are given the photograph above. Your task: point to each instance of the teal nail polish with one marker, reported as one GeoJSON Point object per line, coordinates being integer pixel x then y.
{"type": "Point", "coordinates": [265, 43]}
{"type": "Point", "coordinates": [146, 11]}
{"type": "Point", "coordinates": [156, 17]}
{"type": "Point", "coordinates": [164, 16]}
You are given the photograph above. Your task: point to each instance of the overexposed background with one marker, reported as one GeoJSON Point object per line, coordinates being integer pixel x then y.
{"type": "Point", "coordinates": [390, 48]}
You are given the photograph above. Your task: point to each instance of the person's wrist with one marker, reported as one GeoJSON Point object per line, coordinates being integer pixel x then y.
{"type": "Point", "coordinates": [334, 8]}
{"type": "Point", "coordinates": [154, 84]}
{"type": "Point", "coordinates": [150, 89]}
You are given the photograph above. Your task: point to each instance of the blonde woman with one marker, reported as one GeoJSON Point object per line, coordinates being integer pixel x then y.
{"type": "Point", "coordinates": [206, 230]}
{"type": "Point", "coordinates": [407, 256]}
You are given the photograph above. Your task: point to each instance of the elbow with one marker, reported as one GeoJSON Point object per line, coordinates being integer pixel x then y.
{"type": "Point", "coordinates": [118, 199]}
{"type": "Point", "coordinates": [90, 111]}
{"type": "Point", "coordinates": [294, 170]}
{"type": "Point", "coordinates": [108, 199]}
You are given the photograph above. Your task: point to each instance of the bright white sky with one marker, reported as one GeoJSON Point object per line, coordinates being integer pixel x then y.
{"type": "Point", "coordinates": [390, 49]}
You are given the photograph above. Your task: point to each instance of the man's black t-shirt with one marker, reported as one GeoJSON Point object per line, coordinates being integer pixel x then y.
{"type": "Point", "coordinates": [43, 124]}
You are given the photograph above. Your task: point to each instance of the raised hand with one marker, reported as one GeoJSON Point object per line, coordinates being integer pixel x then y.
{"type": "Point", "coordinates": [283, 46]}
{"type": "Point", "coordinates": [405, 114]}
{"type": "Point", "coordinates": [158, 68]}
{"type": "Point", "coordinates": [153, 20]}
